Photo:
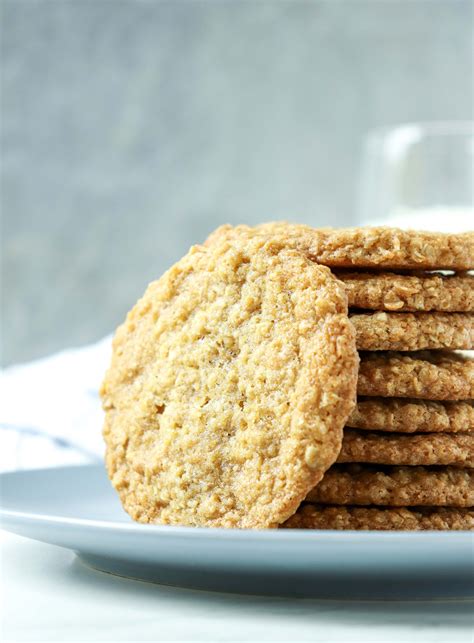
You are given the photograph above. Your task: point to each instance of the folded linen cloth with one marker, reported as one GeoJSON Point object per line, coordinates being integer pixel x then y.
{"type": "Point", "coordinates": [50, 412]}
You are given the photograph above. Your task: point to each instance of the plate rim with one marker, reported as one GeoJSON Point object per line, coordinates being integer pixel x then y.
{"type": "Point", "coordinates": [356, 537]}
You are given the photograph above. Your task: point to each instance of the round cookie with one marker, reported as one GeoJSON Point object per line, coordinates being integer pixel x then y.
{"type": "Point", "coordinates": [423, 375]}
{"type": "Point", "coordinates": [358, 484]}
{"type": "Point", "coordinates": [409, 293]}
{"type": "Point", "coordinates": [412, 416]}
{"type": "Point", "coordinates": [425, 449]}
{"type": "Point", "coordinates": [377, 247]}
{"type": "Point", "coordinates": [388, 519]}
{"type": "Point", "coordinates": [383, 331]}
{"type": "Point", "coordinates": [230, 383]}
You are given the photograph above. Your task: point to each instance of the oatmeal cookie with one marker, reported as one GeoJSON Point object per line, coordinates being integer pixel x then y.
{"type": "Point", "coordinates": [229, 386]}
{"type": "Point", "coordinates": [428, 375]}
{"type": "Point", "coordinates": [377, 247]}
{"type": "Point", "coordinates": [386, 519]}
{"type": "Point", "coordinates": [422, 292]}
{"type": "Point", "coordinates": [382, 331]}
{"type": "Point", "coordinates": [361, 484]}
{"type": "Point", "coordinates": [412, 416]}
{"type": "Point", "coordinates": [424, 449]}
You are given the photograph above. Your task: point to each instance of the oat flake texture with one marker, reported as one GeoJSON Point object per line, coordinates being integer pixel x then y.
{"type": "Point", "coordinates": [427, 375]}
{"type": "Point", "coordinates": [378, 247]}
{"type": "Point", "coordinates": [230, 383]}
{"type": "Point", "coordinates": [422, 291]}
{"type": "Point", "coordinates": [412, 416]}
{"type": "Point", "coordinates": [362, 484]}
{"type": "Point", "coordinates": [416, 449]}
{"type": "Point", "coordinates": [383, 519]}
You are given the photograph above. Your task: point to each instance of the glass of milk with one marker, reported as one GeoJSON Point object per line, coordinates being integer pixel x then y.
{"type": "Point", "coordinates": [419, 175]}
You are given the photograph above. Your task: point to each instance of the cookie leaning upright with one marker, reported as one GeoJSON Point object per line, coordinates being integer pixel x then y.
{"type": "Point", "coordinates": [230, 383]}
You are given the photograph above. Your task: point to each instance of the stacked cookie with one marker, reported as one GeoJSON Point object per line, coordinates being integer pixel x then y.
{"type": "Point", "coordinates": [407, 456]}
{"type": "Point", "coordinates": [231, 395]}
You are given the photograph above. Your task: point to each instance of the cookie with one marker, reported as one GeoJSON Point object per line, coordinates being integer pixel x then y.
{"type": "Point", "coordinates": [409, 293]}
{"type": "Point", "coordinates": [412, 416]}
{"type": "Point", "coordinates": [358, 484]}
{"type": "Point", "coordinates": [387, 519]}
{"type": "Point", "coordinates": [383, 331]}
{"type": "Point", "coordinates": [426, 449]}
{"type": "Point", "coordinates": [230, 383]}
{"type": "Point", "coordinates": [365, 247]}
{"type": "Point", "coordinates": [426, 375]}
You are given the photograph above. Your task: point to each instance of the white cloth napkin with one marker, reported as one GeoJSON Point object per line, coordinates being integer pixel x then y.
{"type": "Point", "coordinates": [50, 412]}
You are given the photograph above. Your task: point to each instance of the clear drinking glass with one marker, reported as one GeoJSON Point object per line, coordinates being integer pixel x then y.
{"type": "Point", "coordinates": [419, 175]}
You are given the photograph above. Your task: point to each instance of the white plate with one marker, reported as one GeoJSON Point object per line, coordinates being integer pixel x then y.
{"type": "Point", "coordinates": [76, 508]}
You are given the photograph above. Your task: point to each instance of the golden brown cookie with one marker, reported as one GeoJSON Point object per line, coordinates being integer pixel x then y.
{"type": "Point", "coordinates": [365, 247]}
{"type": "Point", "coordinates": [386, 519]}
{"type": "Point", "coordinates": [230, 383]}
{"type": "Point", "coordinates": [406, 293]}
{"type": "Point", "coordinates": [426, 375]}
{"type": "Point", "coordinates": [359, 484]}
{"type": "Point", "coordinates": [383, 331]}
{"type": "Point", "coordinates": [412, 416]}
{"type": "Point", "coordinates": [425, 449]}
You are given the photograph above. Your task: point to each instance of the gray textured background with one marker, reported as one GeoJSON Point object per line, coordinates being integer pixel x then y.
{"type": "Point", "coordinates": [130, 129]}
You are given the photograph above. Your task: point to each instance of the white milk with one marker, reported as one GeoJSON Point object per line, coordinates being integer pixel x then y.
{"type": "Point", "coordinates": [437, 219]}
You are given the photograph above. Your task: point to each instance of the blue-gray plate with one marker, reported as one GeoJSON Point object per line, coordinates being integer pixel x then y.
{"type": "Point", "coordinates": [76, 508]}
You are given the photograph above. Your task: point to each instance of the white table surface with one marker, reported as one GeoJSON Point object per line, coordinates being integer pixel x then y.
{"type": "Point", "coordinates": [47, 595]}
